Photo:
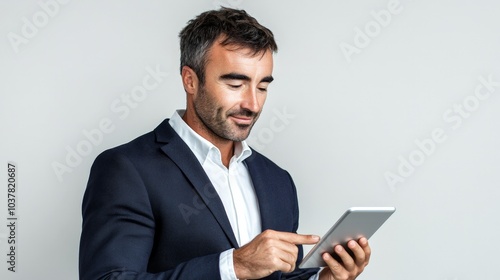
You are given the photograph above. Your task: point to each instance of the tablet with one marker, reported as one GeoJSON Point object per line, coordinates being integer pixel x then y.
{"type": "Point", "coordinates": [356, 222]}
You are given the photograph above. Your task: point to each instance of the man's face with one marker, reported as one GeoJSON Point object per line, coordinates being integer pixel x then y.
{"type": "Point", "coordinates": [235, 89]}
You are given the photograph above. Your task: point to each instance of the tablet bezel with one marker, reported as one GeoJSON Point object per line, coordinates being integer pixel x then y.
{"type": "Point", "coordinates": [355, 223]}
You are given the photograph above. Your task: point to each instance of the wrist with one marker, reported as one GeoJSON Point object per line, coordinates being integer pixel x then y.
{"type": "Point", "coordinates": [240, 269]}
{"type": "Point", "coordinates": [324, 274]}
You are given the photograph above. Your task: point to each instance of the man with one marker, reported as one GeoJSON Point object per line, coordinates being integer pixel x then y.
{"type": "Point", "coordinates": [191, 200]}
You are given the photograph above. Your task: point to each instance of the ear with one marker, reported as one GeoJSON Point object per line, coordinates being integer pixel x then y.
{"type": "Point", "coordinates": [189, 80]}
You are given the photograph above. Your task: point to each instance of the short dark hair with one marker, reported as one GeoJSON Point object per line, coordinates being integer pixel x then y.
{"type": "Point", "coordinates": [235, 27]}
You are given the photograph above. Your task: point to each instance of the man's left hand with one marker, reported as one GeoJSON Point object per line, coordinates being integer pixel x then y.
{"type": "Point", "coordinates": [350, 266]}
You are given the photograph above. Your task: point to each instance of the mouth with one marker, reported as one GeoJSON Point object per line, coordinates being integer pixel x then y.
{"type": "Point", "coordinates": [242, 120]}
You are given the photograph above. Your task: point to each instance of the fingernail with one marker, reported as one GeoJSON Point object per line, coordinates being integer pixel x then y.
{"type": "Point", "coordinates": [339, 249]}
{"type": "Point", "coordinates": [315, 237]}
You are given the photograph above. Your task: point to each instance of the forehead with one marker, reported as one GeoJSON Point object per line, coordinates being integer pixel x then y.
{"type": "Point", "coordinates": [226, 59]}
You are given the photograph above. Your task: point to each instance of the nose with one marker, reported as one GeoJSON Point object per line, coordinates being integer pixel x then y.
{"type": "Point", "coordinates": [252, 100]}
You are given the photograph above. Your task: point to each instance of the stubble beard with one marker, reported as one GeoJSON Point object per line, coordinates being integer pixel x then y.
{"type": "Point", "coordinates": [217, 122]}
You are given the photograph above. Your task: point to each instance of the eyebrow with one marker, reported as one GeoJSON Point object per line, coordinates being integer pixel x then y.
{"type": "Point", "coordinates": [235, 76]}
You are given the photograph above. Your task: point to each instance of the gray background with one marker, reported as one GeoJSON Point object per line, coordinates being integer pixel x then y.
{"type": "Point", "coordinates": [338, 122]}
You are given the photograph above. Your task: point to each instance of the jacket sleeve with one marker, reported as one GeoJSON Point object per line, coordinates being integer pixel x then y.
{"type": "Point", "coordinates": [118, 227]}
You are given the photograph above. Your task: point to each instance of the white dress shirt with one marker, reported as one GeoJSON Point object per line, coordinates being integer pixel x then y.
{"type": "Point", "coordinates": [233, 185]}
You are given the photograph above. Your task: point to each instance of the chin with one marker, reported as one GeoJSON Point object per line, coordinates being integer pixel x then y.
{"type": "Point", "coordinates": [238, 137]}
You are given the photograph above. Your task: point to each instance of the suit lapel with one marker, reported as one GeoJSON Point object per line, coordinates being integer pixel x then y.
{"type": "Point", "coordinates": [180, 153]}
{"type": "Point", "coordinates": [264, 194]}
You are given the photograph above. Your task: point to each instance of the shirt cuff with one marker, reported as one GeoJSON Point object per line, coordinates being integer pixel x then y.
{"type": "Point", "coordinates": [226, 266]}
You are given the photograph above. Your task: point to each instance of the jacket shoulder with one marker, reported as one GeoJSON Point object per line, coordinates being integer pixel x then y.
{"type": "Point", "coordinates": [142, 146]}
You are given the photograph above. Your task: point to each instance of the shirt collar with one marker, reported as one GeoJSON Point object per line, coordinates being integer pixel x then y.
{"type": "Point", "coordinates": [201, 147]}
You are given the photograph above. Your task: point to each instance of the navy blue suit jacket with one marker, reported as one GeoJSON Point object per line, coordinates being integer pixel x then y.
{"type": "Point", "coordinates": [150, 212]}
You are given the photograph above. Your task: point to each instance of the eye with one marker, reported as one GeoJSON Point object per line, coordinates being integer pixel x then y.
{"type": "Point", "coordinates": [234, 86]}
{"type": "Point", "coordinates": [262, 89]}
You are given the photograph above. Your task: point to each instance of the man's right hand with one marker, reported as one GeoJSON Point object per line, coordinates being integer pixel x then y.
{"type": "Point", "coordinates": [268, 252]}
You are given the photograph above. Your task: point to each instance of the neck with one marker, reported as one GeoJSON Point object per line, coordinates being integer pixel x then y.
{"type": "Point", "coordinates": [226, 151]}
{"type": "Point", "coordinates": [225, 146]}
